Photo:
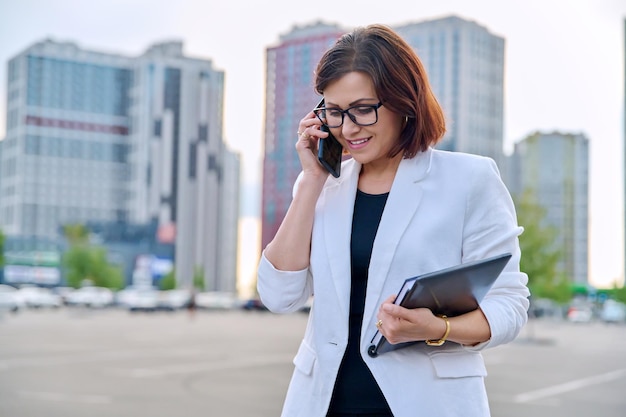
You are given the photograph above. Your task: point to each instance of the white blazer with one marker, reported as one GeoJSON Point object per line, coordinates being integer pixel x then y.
{"type": "Point", "coordinates": [443, 209]}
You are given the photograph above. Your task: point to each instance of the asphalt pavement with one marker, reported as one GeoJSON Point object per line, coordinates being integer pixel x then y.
{"type": "Point", "coordinates": [79, 362]}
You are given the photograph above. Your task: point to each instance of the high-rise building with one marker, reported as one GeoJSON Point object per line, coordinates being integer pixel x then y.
{"type": "Point", "coordinates": [464, 62]}
{"type": "Point", "coordinates": [95, 137]}
{"type": "Point", "coordinates": [64, 157]}
{"type": "Point", "coordinates": [553, 168]}
{"type": "Point", "coordinates": [465, 66]}
{"type": "Point", "coordinates": [178, 161]}
{"type": "Point", "coordinates": [290, 95]}
{"type": "Point", "coordinates": [228, 237]}
{"type": "Point", "coordinates": [1, 141]}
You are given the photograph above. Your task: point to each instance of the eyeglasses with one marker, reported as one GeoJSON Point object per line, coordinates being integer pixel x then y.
{"type": "Point", "coordinates": [361, 114]}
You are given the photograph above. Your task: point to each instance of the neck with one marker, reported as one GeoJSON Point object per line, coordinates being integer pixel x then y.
{"type": "Point", "coordinates": [377, 177]}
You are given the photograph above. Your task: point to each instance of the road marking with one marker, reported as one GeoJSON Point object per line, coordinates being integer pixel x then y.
{"type": "Point", "coordinates": [62, 397]}
{"type": "Point", "coordinates": [569, 386]}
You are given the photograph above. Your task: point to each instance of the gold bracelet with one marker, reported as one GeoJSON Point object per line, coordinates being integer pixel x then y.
{"type": "Point", "coordinates": [441, 341]}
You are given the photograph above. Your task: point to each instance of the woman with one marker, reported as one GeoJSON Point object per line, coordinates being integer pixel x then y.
{"type": "Point", "coordinates": [399, 209]}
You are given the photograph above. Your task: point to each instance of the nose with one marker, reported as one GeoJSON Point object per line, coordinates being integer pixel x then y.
{"type": "Point", "coordinates": [349, 128]}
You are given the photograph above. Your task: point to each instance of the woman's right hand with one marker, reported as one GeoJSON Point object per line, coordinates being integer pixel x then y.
{"type": "Point", "coordinates": [290, 250]}
{"type": "Point", "coordinates": [309, 134]}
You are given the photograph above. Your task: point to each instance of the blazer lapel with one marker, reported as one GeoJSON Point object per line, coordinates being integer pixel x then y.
{"type": "Point", "coordinates": [402, 203]}
{"type": "Point", "coordinates": [337, 225]}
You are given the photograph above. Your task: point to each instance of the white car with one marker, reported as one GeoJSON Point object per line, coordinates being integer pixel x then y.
{"type": "Point", "coordinates": [174, 299]}
{"type": "Point", "coordinates": [39, 297]}
{"type": "Point", "coordinates": [9, 299]}
{"type": "Point", "coordinates": [126, 296]}
{"type": "Point", "coordinates": [580, 313]}
{"type": "Point", "coordinates": [216, 300]}
{"type": "Point", "coordinates": [63, 292]}
{"type": "Point", "coordinates": [141, 299]}
{"type": "Point", "coordinates": [93, 297]}
{"type": "Point", "coordinates": [613, 312]}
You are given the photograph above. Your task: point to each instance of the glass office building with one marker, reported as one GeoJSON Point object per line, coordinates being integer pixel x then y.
{"type": "Point", "coordinates": [465, 65]}
{"type": "Point", "coordinates": [96, 138]}
{"type": "Point", "coordinates": [553, 168]}
{"type": "Point", "coordinates": [289, 96]}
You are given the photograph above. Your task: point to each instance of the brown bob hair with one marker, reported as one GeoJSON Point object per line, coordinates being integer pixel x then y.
{"type": "Point", "coordinates": [399, 78]}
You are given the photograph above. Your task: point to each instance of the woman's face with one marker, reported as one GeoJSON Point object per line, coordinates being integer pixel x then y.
{"type": "Point", "coordinates": [366, 144]}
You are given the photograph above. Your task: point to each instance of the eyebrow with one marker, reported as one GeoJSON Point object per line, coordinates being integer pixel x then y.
{"type": "Point", "coordinates": [355, 102]}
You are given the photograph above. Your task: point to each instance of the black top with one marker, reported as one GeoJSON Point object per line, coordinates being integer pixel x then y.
{"type": "Point", "coordinates": [355, 390]}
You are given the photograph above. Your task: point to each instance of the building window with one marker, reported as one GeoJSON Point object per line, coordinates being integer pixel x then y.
{"type": "Point", "coordinates": [193, 158]}
{"type": "Point", "coordinates": [32, 145]}
{"type": "Point", "coordinates": [158, 126]}
{"type": "Point", "coordinates": [120, 153]}
{"type": "Point", "coordinates": [203, 133]}
{"type": "Point", "coordinates": [68, 85]}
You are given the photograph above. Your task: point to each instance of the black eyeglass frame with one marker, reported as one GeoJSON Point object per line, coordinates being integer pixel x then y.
{"type": "Point", "coordinates": [352, 117]}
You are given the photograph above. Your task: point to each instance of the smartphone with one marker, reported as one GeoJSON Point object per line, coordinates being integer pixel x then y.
{"type": "Point", "coordinates": [329, 150]}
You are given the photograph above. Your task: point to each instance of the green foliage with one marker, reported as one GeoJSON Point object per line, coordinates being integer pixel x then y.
{"type": "Point", "coordinates": [115, 277]}
{"type": "Point", "coordinates": [619, 294]}
{"type": "Point", "coordinates": [198, 278]}
{"type": "Point", "coordinates": [85, 262]}
{"type": "Point", "coordinates": [539, 257]}
{"type": "Point", "coordinates": [558, 289]}
{"type": "Point", "coordinates": [168, 282]}
{"type": "Point", "coordinates": [76, 234]}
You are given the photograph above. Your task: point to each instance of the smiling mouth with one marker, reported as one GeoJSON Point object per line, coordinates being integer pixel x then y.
{"type": "Point", "coordinates": [357, 142]}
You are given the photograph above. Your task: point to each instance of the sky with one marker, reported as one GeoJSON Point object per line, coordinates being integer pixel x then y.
{"type": "Point", "coordinates": [564, 71]}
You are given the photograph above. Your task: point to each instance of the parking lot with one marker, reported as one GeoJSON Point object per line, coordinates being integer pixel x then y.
{"type": "Point", "coordinates": [110, 362]}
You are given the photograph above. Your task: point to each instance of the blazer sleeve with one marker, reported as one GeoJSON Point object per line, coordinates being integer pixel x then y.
{"type": "Point", "coordinates": [491, 229]}
{"type": "Point", "coordinates": [283, 291]}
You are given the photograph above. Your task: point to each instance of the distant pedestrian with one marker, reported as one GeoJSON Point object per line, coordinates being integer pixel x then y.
{"type": "Point", "coordinates": [191, 305]}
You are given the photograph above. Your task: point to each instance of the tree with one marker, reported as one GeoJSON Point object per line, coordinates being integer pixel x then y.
{"type": "Point", "coordinates": [76, 234]}
{"type": "Point", "coordinates": [86, 262]}
{"type": "Point", "coordinates": [198, 278]}
{"type": "Point", "coordinates": [619, 294]}
{"type": "Point", "coordinates": [168, 282]}
{"type": "Point", "coordinates": [539, 255]}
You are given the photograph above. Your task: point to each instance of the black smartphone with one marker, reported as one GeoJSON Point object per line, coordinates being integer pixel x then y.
{"type": "Point", "coordinates": [329, 150]}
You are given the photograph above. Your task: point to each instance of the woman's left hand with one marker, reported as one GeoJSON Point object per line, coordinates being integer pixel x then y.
{"type": "Point", "coordinates": [400, 324]}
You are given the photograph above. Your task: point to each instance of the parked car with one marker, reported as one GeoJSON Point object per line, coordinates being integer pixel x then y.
{"type": "Point", "coordinates": [580, 313]}
{"type": "Point", "coordinates": [613, 312]}
{"type": "Point", "coordinates": [174, 299]}
{"type": "Point", "coordinates": [216, 300]}
{"type": "Point", "coordinates": [63, 292]}
{"type": "Point", "coordinates": [142, 299]}
{"type": "Point", "coordinates": [9, 299]}
{"type": "Point", "coordinates": [39, 297]}
{"type": "Point", "coordinates": [254, 304]}
{"type": "Point", "coordinates": [126, 296]}
{"type": "Point", "coordinates": [544, 308]}
{"type": "Point", "coordinates": [93, 297]}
